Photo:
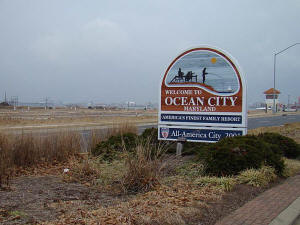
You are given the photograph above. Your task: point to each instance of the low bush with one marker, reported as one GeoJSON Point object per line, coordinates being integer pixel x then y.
{"type": "Point", "coordinates": [150, 134]}
{"type": "Point", "coordinates": [257, 177]}
{"type": "Point", "coordinates": [232, 155]}
{"type": "Point", "coordinates": [292, 167]}
{"type": "Point", "coordinates": [109, 149]}
{"type": "Point", "coordinates": [192, 148]}
{"type": "Point", "coordinates": [288, 147]}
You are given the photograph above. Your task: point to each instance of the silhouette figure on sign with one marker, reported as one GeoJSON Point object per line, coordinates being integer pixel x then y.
{"type": "Point", "coordinates": [203, 75]}
{"type": "Point", "coordinates": [189, 76]}
{"type": "Point", "coordinates": [180, 73]}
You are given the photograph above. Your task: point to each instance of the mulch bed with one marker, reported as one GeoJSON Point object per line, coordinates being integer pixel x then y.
{"type": "Point", "coordinates": [33, 196]}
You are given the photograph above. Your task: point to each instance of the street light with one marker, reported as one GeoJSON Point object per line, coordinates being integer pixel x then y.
{"type": "Point", "coordinates": [275, 54]}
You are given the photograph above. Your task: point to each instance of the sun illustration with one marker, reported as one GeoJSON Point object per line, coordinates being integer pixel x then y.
{"type": "Point", "coordinates": [213, 60]}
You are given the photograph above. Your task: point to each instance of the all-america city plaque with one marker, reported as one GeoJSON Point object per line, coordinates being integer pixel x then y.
{"type": "Point", "coordinates": [202, 97]}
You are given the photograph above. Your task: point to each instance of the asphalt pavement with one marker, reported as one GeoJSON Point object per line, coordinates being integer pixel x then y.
{"type": "Point", "coordinates": [255, 122]}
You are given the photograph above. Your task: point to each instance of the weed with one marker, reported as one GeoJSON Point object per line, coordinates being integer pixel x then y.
{"type": "Point", "coordinates": [110, 172]}
{"type": "Point", "coordinates": [191, 169]}
{"type": "Point", "coordinates": [17, 213]}
{"type": "Point", "coordinates": [225, 183]}
{"type": "Point", "coordinates": [84, 172]}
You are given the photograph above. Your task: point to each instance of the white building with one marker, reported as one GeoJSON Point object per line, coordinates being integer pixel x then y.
{"type": "Point", "coordinates": [270, 95]}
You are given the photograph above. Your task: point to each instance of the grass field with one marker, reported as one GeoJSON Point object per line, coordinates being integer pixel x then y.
{"type": "Point", "coordinates": [79, 117]}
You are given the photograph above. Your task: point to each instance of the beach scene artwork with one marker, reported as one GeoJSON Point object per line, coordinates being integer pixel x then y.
{"type": "Point", "coordinates": [206, 70]}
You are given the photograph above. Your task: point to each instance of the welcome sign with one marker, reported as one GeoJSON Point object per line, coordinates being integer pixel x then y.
{"type": "Point", "coordinates": [202, 87]}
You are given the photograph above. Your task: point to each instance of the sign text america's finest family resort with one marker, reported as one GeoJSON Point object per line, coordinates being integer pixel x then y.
{"type": "Point", "coordinates": [202, 89]}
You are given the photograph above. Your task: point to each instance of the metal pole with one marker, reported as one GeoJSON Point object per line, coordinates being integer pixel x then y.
{"type": "Point", "coordinates": [179, 148]}
{"type": "Point", "coordinates": [274, 110]}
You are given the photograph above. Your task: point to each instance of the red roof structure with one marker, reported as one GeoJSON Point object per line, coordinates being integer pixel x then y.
{"type": "Point", "coordinates": [271, 91]}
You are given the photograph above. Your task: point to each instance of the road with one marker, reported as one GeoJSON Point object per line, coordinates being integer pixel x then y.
{"type": "Point", "coordinates": [255, 122]}
{"type": "Point", "coordinates": [272, 120]}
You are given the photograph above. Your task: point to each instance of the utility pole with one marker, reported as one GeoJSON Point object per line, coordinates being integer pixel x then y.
{"type": "Point", "coordinates": [46, 103]}
{"type": "Point", "coordinates": [275, 54]}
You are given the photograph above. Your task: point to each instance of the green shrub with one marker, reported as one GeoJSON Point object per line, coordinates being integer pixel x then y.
{"type": "Point", "coordinates": [192, 148]}
{"type": "Point", "coordinates": [110, 148]}
{"type": "Point", "coordinates": [151, 134]}
{"type": "Point", "coordinates": [232, 155]}
{"type": "Point", "coordinates": [288, 147]}
{"type": "Point", "coordinates": [189, 148]}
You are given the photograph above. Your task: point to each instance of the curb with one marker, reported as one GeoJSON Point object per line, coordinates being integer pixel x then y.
{"type": "Point", "coordinates": [289, 215]}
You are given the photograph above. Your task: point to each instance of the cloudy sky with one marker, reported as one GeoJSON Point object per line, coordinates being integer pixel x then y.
{"type": "Point", "coordinates": [116, 50]}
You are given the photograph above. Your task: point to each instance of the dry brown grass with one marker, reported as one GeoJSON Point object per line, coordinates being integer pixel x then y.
{"type": "Point", "coordinates": [30, 151]}
{"type": "Point", "coordinates": [8, 119]}
{"type": "Point", "coordinates": [85, 172]}
{"type": "Point", "coordinates": [134, 171]}
{"type": "Point", "coordinates": [122, 128]}
{"type": "Point", "coordinates": [5, 161]}
{"type": "Point", "coordinates": [143, 168]}
{"type": "Point", "coordinates": [71, 117]}
{"type": "Point", "coordinates": [178, 204]}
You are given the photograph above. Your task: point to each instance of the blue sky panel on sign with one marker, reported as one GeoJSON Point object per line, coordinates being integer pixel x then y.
{"type": "Point", "coordinates": [220, 75]}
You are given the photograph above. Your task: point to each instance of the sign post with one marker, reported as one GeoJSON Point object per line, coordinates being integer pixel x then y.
{"type": "Point", "coordinates": [202, 97]}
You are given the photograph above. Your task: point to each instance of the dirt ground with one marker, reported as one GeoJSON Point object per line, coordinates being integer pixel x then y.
{"type": "Point", "coordinates": [35, 200]}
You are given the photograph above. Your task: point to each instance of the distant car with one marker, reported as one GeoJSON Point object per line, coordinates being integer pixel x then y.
{"type": "Point", "coordinates": [289, 110]}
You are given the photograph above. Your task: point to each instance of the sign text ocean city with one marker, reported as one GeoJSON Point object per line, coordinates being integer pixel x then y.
{"type": "Point", "coordinates": [202, 87]}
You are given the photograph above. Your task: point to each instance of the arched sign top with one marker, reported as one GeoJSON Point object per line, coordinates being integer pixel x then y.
{"type": "Point", "coordinates": [203, 86]}
{"type": "Point", "coordinates": [206, 68]}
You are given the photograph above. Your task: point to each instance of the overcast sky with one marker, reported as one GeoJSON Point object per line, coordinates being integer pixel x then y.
{"type": "Point", "coordinates": [117, 50]}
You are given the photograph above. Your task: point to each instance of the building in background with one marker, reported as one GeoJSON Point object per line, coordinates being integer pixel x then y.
{"type": "Point", "coordinates": [269, 99]}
